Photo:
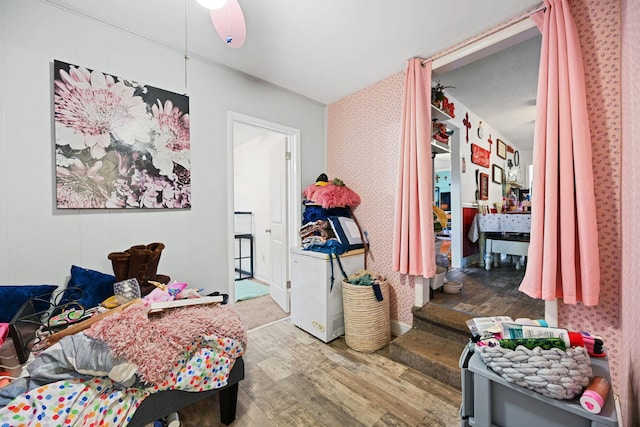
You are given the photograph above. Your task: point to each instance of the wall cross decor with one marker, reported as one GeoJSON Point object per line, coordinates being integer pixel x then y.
{"type": "Point", "coordinates": [467, 124]}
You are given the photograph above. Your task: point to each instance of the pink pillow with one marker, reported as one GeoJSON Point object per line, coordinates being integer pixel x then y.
{"type": "Point", "coordinates": [4, 331]}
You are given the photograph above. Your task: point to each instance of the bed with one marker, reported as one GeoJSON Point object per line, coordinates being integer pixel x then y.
{"type": "Point", "coordinates": [144, 406]}
{"type": "Point", "coordinates": [159, 405]}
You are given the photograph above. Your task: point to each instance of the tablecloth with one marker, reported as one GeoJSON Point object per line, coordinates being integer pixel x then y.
{"type": "Point", "coordinates": [495, 223]}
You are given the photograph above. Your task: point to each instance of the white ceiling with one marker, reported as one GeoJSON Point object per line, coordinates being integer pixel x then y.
{"type": "Point", "coordinates": [501, 89]}
{"type": "Point", "coordinates": [323, 50]}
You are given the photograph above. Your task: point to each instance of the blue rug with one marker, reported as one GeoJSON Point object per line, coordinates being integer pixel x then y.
{"type": "Point", "coordinates": [247, 289]}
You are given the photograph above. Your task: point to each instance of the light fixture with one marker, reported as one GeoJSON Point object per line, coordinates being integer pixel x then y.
{"type": "Point", "coordinates": [212, 4]}
{"type": "Point", "coordinates": [230, 24]}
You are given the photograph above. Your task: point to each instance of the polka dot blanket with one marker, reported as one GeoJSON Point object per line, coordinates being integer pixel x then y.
{"type": "Point", "coordinates": [204, 365]}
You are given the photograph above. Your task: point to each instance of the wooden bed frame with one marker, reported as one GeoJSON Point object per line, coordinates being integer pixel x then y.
{"type": "Point", "coordinates": [23, 329]}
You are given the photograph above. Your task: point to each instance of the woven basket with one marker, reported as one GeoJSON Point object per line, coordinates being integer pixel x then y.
{"type": "Point", "coordinates": [553, 373]}
{"type": "Point", "coordinates": [367, 325]}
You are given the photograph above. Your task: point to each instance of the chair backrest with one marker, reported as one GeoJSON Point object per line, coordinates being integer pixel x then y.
{"type": "Point", "coordinates": [483, 207]}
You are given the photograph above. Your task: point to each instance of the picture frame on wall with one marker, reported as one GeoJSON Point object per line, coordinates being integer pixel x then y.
{"type": "Point", "coordinates": [480, 156]}
{"type": "Point", "coordinates": [496, 172]}
{"type": "Point", "coordinates": [119, 143]}
{"type": "Point", "coordinates": [501, 148]}
{"type": "Point", "coordinates": [484, 186]}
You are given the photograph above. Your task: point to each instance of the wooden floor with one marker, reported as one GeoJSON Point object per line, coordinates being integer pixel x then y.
{"type": "Point", "coordinates": [294, 379]}
{"type": "Point", "coordinates": [490, 293]}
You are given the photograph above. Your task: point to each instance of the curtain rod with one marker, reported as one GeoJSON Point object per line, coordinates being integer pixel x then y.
{"type": "Point", "coordinates": [502, 26]}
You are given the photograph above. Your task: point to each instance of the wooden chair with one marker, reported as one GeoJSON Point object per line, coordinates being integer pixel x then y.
{"type": "Point", "coordinates": [483, 207]}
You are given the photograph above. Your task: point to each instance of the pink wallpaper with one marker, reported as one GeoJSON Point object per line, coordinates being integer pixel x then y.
{"type": "Point", "coordinates": [598, 23]}
{"type": "Point", "coordinates": [363, 137]}
{"type": "Point", "coordinates": [630, 360]}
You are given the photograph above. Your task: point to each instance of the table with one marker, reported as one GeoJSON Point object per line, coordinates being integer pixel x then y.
{"type": "Point", "coordinates": [512, 246]}
{"type": "Point", "coordinates": [500, 223]}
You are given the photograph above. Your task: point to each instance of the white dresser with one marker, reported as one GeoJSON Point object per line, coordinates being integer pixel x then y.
{"type": "Point", "coordinates": [315, 307]}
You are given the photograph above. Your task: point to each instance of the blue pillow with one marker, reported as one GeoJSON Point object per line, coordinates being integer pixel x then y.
{"type": "Point", "coordinates": [95, 286]}
{"type": "Point", "coordinates": [14, 296]}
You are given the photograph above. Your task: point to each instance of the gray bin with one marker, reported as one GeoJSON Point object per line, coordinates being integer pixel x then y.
{"type": "Point", "coordinates": [489, 400]}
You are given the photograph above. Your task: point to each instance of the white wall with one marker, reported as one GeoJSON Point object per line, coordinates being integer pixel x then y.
{"type": "Point", "coordinates": [39, 243]}
{"type": "Point", "coordinates": [253, 193]}
{"type": "Point", "coordinates": [468, 179]}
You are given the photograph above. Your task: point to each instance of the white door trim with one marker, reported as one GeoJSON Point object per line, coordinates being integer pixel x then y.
{"type": "Point", "coordinates": [293, 181]}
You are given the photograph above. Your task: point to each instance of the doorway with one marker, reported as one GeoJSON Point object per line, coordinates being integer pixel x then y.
{"type": "Point", "coordinates": [493, 83]}
{"type": "Point", "coordinates": [442, 184]}
{"type": "Point", "coordinates": [264, 185]}
{"type": "Point", "coordinates": [494, 90]}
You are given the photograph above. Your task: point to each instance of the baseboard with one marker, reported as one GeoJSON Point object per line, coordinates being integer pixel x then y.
{"type": "Point", "coordinates": [470, 260]}
{"type": "Point", "coordinates": [398, 328]}
{"type": "Point", "coordinates": [260, 278]}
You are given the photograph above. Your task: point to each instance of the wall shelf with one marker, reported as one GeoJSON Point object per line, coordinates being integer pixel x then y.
{"type": "Point", "coordinates": [439, 147]}
{"type": "Point", "coordinates": [436, 146]}
{"type": "Point", "coordinates": [438, 114]}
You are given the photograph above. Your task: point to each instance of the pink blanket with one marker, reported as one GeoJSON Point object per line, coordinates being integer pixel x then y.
{"type": "Point", "coordinates": [155, 342]}
{"type": "Point", "coordinates": [4, 331]}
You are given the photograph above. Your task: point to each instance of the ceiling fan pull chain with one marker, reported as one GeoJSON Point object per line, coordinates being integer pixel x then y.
{"type": "Point", "coordinates": [229, 39]}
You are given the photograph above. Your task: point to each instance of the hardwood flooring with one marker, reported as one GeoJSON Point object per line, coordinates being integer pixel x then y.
{"type": "Point", "coordinates": [294, 379]}
{"type": "Point", "coordinates": [490, 293]}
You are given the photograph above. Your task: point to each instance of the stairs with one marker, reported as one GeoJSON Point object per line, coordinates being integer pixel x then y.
{"type": "Point", "coordinates": [434, 345]}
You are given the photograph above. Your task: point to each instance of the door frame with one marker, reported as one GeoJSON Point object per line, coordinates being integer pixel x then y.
{"type": "Point", "coordinates": [465, 55]}
{"type": "Point", "coordinates": [294, 196]}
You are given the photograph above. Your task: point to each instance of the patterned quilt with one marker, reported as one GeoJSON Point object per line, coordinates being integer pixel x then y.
{"type": "Point", "coordinates": [69, 383]}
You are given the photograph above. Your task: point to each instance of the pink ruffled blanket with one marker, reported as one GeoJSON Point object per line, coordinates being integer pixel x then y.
{"type": "Point", "coordinates": [153, 343]}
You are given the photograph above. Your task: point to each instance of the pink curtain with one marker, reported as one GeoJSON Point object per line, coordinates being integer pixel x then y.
{"type": "Point", "coordinates": [413, 242]}
{"type": "Point", "coordinates": [563, 253]}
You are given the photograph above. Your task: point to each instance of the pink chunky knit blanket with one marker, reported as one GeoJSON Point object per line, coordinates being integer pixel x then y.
{"type": "Point", "coordinates": [154, 342]}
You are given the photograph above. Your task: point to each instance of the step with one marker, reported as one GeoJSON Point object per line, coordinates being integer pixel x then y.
{"type": "Point", "coordinates": [442, 321]}
{"type": "Point", "coordinates": [429, 353]}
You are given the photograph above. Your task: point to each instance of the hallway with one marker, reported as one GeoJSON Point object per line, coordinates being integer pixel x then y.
{"type": "Point", "coordinates": [490, 293]}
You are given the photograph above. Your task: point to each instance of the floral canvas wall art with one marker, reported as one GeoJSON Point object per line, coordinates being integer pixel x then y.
{"type": "Point", "coordinates": [119, 143]}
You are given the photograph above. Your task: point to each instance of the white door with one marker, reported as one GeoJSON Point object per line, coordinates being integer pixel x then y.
{"type": "Point", "coordinates": [282, 215]}
{"type": "Point", "coordinates": [278, 227]}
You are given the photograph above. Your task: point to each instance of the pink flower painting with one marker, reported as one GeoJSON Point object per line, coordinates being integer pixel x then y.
{"type": "Point", "coordinates": [119, 143]}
